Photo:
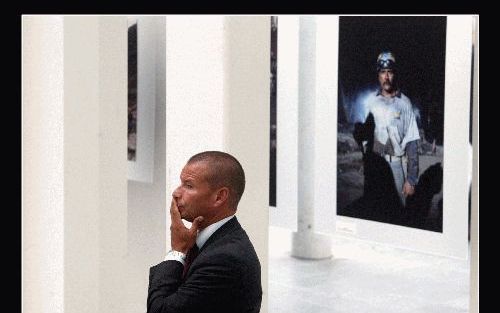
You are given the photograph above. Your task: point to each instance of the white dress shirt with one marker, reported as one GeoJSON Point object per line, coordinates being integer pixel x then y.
{"type": "Point", "coordinates": [201, 239]}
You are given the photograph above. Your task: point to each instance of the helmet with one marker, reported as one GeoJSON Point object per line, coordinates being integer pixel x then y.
{"type": "Point", "coordinates": [386, 60]}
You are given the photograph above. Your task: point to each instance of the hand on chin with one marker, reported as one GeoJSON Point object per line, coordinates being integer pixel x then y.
{"type": "Point", "coordinates": [186, 216]}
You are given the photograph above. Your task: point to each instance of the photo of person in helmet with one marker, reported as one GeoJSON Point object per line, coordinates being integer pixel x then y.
{"type": "Point", "coordinates": [396, 132]}
{"type": "Point", "coordinates": [390, 119]}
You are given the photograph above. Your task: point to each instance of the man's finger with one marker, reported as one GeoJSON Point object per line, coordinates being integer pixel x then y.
{"type": "Point", "coordinates": [196, 224]}
{"type": "Point", "coordinates": [175, 215]}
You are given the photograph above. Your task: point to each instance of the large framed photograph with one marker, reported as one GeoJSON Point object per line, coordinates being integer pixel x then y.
{"type": "Point", "coordinates": [141, 99]}
{"type": "Point", "coordinates": [403, 103]}
{"type": "Point", "coordinates": [355, 192]}
{"type": "Point", "coordinates": [390, 119]}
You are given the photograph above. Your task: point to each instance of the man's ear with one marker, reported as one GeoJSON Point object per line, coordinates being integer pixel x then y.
{"type": "Point", "coordinates": [221, 196]}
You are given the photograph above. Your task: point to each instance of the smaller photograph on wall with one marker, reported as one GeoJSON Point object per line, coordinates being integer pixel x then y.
{"type": "Point", "coordinates": [143, 60]}
{"type": "Point", "coordinates": [273, 120]}
{"type": "Point", "coordinates": [391, 119]}
{"type": "Point", "coordinates": [132, 89]}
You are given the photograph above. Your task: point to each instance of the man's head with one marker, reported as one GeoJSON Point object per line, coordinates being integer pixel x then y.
{"type": "Point", "coordinates": [386, 66]}
{"type": "Point", "coordinates": [212, 184]}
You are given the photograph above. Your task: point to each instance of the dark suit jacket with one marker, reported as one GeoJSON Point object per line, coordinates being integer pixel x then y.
{"type": "Point", "coordinates": [225, 277]}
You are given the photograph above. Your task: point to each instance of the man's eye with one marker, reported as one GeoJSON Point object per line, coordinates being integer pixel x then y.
{"type": "Point", "coordinates": [189, 186]}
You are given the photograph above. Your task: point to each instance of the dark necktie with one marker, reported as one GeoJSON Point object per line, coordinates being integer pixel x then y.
{"type": "Point", "coordinates": [191, 255]}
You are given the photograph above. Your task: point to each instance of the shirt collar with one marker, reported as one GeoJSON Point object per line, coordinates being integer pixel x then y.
{"type": "Point", "coordinates": [398, 93]}
{"type": "Point", "coordinates": [204, 234]}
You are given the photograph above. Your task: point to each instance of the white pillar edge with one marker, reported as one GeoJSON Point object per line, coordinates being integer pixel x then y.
{"type": "Point", "coordinates": [306, 242]}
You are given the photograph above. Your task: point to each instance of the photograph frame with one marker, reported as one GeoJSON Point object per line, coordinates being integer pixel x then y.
{"type": "Point", "coordinates": [453, 241]}
{"type": "Point", "coordinates": [142, 168]}
{"type": "Point", "coordinates": [369, 184]}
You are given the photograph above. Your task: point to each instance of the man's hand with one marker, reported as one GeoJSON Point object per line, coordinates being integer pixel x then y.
{"type": "Point", "coordinates": [181, 237]}
{"type": "Point", "coordinates": [408, 189]}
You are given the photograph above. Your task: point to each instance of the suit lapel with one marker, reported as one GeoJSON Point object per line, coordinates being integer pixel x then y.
{"type": "Point", "coordinates": [224, 230]}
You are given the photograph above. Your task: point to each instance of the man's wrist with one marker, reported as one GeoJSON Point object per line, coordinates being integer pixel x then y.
{"type": "Point", "coordinates": [176, 256]}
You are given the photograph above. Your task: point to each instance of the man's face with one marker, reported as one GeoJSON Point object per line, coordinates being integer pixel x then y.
{"type": "Point", "coordinates": [194, 195]}
{"type": "Point", "coordinates": [386, 79]}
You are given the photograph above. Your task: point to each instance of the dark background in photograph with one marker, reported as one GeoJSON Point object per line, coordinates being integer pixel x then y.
{"type": "Point", "coordinates": [273, 112]}
{"type": "Point", "coordinates": [132, 92]}
{"type": "Point", "coordinates": [419, 46]}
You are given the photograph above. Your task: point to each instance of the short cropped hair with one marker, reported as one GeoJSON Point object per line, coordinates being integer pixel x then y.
{"type": "Point", "coordinates": [224, 171]}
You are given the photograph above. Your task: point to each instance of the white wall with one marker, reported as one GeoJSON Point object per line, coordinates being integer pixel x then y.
{"type": "Point", "coordinates": [81, 164]}
{"type": "Point", "coordinates": [247, 124]}
{"type": "Point", "coordinates": [194, 87]}
{"type": "Point", "coordinates": [146, 213]}
{"type": "Point", "coordinates": [89, 234]}
{"type": "Point", "coordinates": [95, 169]}
{"type": "Point", "coordinates": [112, 164]}
{"type": "Point", "coordinates": [42, 165]}
{"type": "Point", "coordinates": [218, 99]}
{"type": "Point", "coordinates": [74, 171]}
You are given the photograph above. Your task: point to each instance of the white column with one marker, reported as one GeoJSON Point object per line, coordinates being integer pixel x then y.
{"type": "Point", "coordinates": [246, 123]}
{"type": "Point", "coordinates": [81, 164]}
{"type": "Point", "coordinates": [306, 243]}
{"type": "Point", "coordinates": [74, 179]}
{"type": "Point", "coordinates": [285, 213]}
{"type": "Point", "coordinates": [194, 90]}
{"type": "Point", "coordinates": [95, 172]}
{"type": "Point", "coordinates": [217, 98]}
{"type": "Point", "coordinates": [113, 214]}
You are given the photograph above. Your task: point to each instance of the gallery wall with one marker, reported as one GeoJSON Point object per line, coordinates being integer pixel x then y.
{"type": "Point", "coordinates": [219, 100]}
{"type": "Point", "coordinates": [87, 227]}
{"type": "Point", "coordinates": [75, 192]}
{"type": "Point", "coordinates": [147, 213]}
{"type": "Point", "coordinates": [43, 199]}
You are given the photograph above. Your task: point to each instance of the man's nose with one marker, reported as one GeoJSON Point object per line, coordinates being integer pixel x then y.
{"type": "Point", "coordinates": [176, 194]}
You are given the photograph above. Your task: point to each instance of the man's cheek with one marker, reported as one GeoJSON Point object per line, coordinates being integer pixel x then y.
{"type": "Point", "coordinates": [182, 210]}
